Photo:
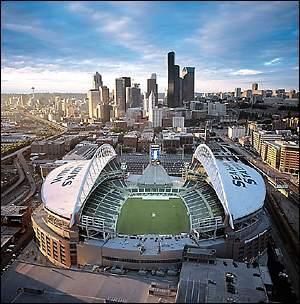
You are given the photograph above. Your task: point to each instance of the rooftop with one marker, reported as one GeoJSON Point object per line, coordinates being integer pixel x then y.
{"type": "Point", "coordinates": [213, 283]}
{"type": "Point", "coordinates": [13, 210]}
{"type": "Point", "coordinates": [150, 242]}
{"type": "Point", "coordinates": [155, 174]}
{"type": "Point", "coordinates": [81, 152]}
{"type": "Point", "coordinates": [7, 233]}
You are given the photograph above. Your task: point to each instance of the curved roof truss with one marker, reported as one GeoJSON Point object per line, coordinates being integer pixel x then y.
{"type": "Point", "coordinates": [103, 155]}
{"type": "Point", "coordinates": [206, 157]}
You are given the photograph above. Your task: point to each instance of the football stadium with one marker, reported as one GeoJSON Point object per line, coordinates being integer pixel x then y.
{"type": "Point", "coordinates": [95, 212]}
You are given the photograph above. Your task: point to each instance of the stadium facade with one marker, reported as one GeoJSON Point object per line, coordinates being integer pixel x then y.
{"type": "Point", "coordinates": [79, 221]}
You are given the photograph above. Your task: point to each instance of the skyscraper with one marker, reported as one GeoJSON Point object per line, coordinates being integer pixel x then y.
{"type": "Point", "coordinates": [127, 81]}
{"type": "Point", "coordinates": [171, 79]}
{"type": "Point", "coordinates": [120, 98]}
{"type": "Point", "coordinates": [174, 84]}
{"type": "Point", "coordinates": [238, 92]}
{"type": "Point", "coordinates": [94, 99]}
{"type": "Point", "coordinates": [104, 94]}
{"type": "Point", "coordinates": [254, 87]}
{"type": "Point", "coordinates": [133, 96]}
{"type": "Point", "coordinates": [152, 87]}
{"type": "Point", "coordinates": [120, 95]}
{"type": "Point", "coordinates": [105, 107]}
{"type": "Point", "coordinates": [127, 84]}
{"type": "Point", "coordinates": [97, 81]}
{"type": "Point", "coordinates": [151, 105]}
{"type": "Point", "coordinates": [188, 83]}
{"type": "Point", "coordinates": [178, 87]}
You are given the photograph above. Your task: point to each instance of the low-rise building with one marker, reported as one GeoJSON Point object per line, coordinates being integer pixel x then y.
{"type": "Point", "coordinates": [120, 124]}
{"type": "Point", "coordinates": [273, 154]}
{"type": "Point", "coordinates": [264, 150]}
{"type": "Point", "coordinates": [186, 139]}
{"type": "Point", "coordinates": [16, 216]}
{"type": "Point", "coordinates": [167, 122]}
{"type": "Point", "coordinates": [81, 151]}
{"type": "Point", "coordinates": [130, 141]}
{"type": "Point", "coordinates": [53, 149]}
{"type": "Point", "coordinates": [171, 142]}
{"type": "Point", "coordinates": [292, 122]}
{"type": "Point", "coordinates": [236, 132]}
{"type": "Point", "coordinates": [216, 109]}
{"type": "Point", "coordinates": [262, 135]}
{"type": "Point", "coordinates": [289, 157]}
{"type": "Point", "coordinates": [244, 141]}
{"type": "Point", "coordinates": [273, 101]}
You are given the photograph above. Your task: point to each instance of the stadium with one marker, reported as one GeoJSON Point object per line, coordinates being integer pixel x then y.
{"type": "Point", "coordinates": [94, 212]}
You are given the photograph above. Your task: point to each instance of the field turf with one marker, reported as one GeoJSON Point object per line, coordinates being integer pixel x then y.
{"type": "Point", "coordinates": [140, 216]}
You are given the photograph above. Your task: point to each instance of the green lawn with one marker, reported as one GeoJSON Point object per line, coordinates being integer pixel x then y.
{"type": "Point", "coordinates": [140, 216]}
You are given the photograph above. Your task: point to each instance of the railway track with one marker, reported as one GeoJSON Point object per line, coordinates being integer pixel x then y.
{"type": "Point", "coordinates": [288, 235]}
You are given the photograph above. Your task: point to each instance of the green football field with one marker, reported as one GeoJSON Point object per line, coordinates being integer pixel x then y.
{"type": "Point", "coordinates": [140, 216]}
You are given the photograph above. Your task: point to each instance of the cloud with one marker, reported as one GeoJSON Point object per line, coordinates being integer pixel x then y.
{"type": "Point", "coordinates": [76, 76]}
{"type": "Point", "coordinates": [246, 72]}
{"type": "Point", "coordinates": [274, 61]}
{"type": "Point", "coordinates": [125, 30]}
{"type": "Point", "coordinates": [35, 30]}
{"type": "Point", "coordinates": [237, 28]}
{"type": "Point", "coordinates": [133, 38]}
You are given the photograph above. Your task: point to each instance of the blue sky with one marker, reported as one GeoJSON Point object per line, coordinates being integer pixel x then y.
{"type": "Point", "coordinates": [58, 46]}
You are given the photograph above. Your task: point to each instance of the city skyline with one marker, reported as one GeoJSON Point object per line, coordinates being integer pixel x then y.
{"type": "Point", "coordinates": [133, 38]}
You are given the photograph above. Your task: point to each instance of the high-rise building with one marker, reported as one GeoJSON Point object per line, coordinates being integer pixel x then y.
{"type": "Point", "coordinates": [127, 81]}
{"type": "Point", "coordinates": [237, 92]}
{"type": "Point", "coordinates": [97, 81]}
{"type": "Point", "coordinates": [120, 95]}
{"type": "Point", "coordinates": [158, 115]}
{"type": "Point", "coordinates": [70, 110]}
{"type": "Point", "coordinates": [177, 87]}
{"type": "Point", "coordinates": [280, 93]}
{"type": "Point", "coordinates": [254, 87]}
{"type": "Point", "coordinates": [94, 99]}
{"type": "Point", "coordinates": [127, 84]}
{"type": "Point", "coordinates": [178, 122]}
{"type": "Point", "coordinates": [151, 104]}
{"type": "Point", "coordinates": [104, 107]}
{"type": "Point", "coordinates": [104, 94]}
{"type": "Point", "coordinates": [145, 105]}
{"type": "Point", "coordinates": [152, 87]}
{"type": "Point", "coordinates": [171, 80]}
{"type": "Point", "coordinates": [180, 90]}
{"type": "Point", "coordinates": [133, 96]}
{"type": "Point", "coordinates": [155, 114]}
{"type": "Point", "coordinates": [188, 84]}
{"type": "Point", "coordinates": [292, 94]}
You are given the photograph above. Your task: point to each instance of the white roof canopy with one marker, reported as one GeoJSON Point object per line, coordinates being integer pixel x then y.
{"type": "Point", "coordinates": [66, 188]}
{"type": "Point", "coordinates": [240, 188]}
